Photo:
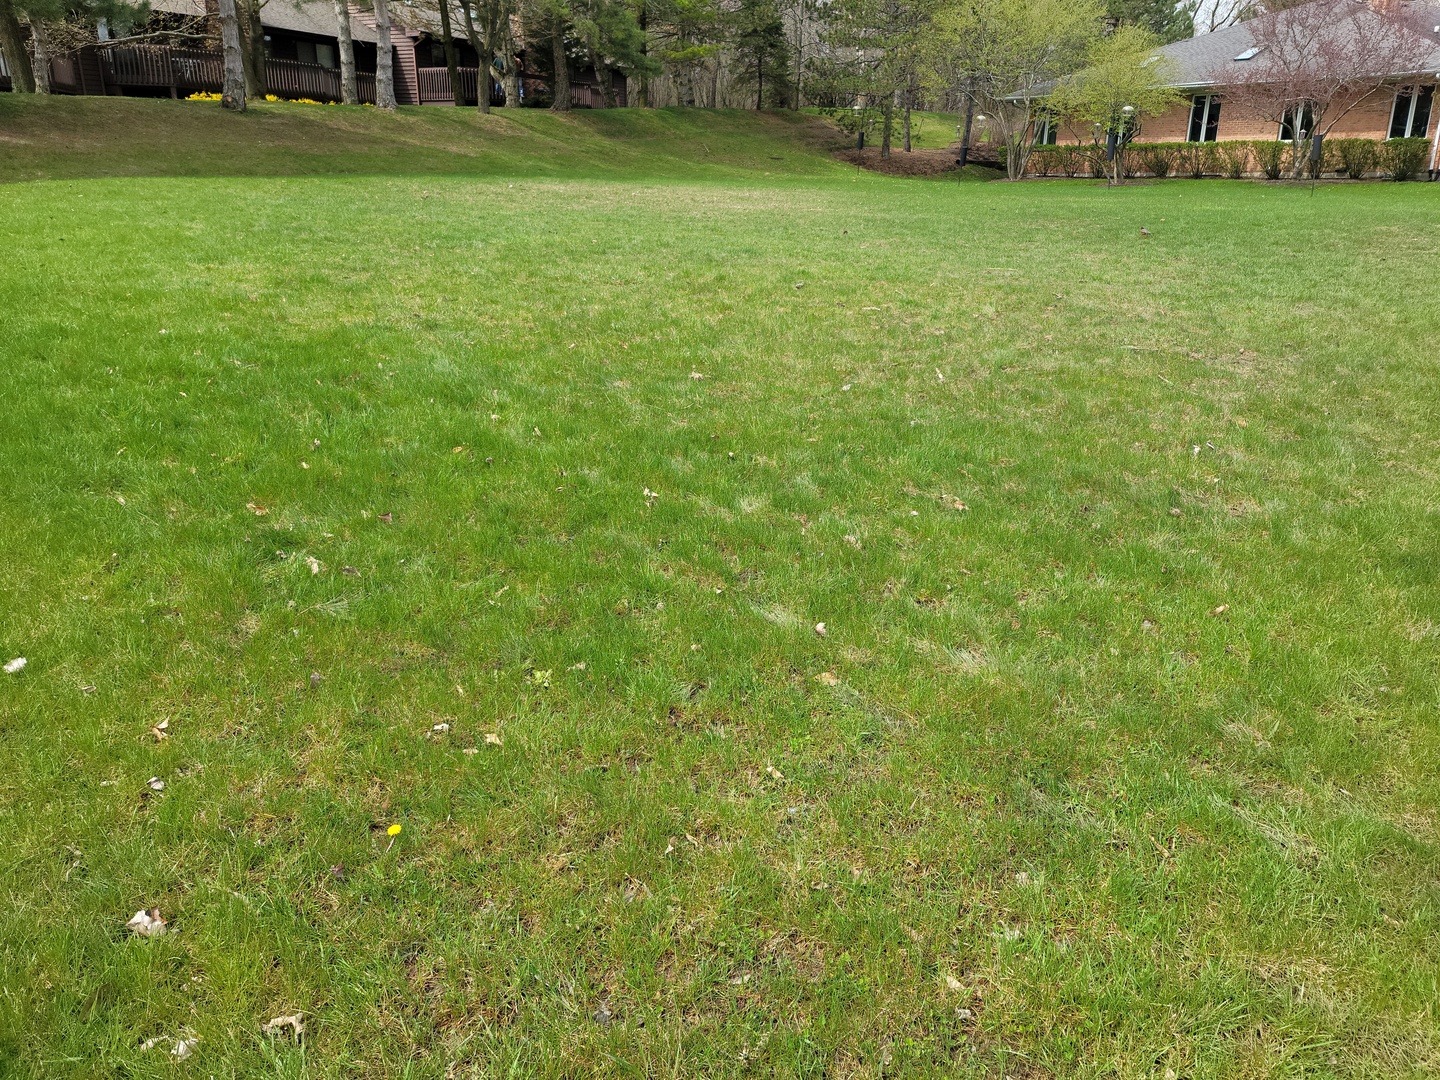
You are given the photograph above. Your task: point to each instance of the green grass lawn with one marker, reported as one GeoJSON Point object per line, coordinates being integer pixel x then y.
{"type": "Point", "coordinates": [503, 506]}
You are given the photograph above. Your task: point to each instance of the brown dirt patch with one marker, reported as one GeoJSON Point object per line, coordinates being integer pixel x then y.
{"type": "Point", "coordinates": [928, 162]}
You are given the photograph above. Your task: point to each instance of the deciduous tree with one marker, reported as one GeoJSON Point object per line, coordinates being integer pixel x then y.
{"type": "Point", "coordinates": [349, 89]}
{"type": "Point", "coordinates": [232, 88]}
{"type": "Point", "coordinates": [1007, 54]}
{"type": "Point", "coordinates": [1121, 85]}
{"type": "Point", "coordinates": [12, 44]}
{"type": "Point", "coordinates": [1316, 63]}
{"type": "Point", "coordinates": [384, 58]}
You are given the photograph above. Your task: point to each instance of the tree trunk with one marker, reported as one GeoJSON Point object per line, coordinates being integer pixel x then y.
{"type": "Point", "coordinates": [969, 126]}
{"type": "Point", "coordinates": [252, 44]}
{"type": "Point", "coordinates": [887, 126]}
{"type": "Point", "coordinates": [17, 57]}
{"type": "Point", "coordinates": [40, 40]}
{"type": "Point", "coordinates": [512, 69]}
{"type": "Point", "coordinates": [606, 79]}
{"type": "Point", "coordinates": [905, 123]}
{"type": "Point", "coordinates": [562, 68]}
{"type": "Point", "coordinates": [349, 88]}
{"type": "Point", "coordinates": [452, 65]}
{"type": "Point", "coordinates": [232, 93]}
{"type": "Point", "coordinates": [483, 56]}
{"type": "Point", "coordinates": [384, 59]}
{"type": "Point", "coordinates": [799, 52]}
{"type": "Point", "coordinates": [642, 89]}
{"type": "Point", "coordinates": [1300, 151]}
{"type": "Point", "coordinates": [759, 83]}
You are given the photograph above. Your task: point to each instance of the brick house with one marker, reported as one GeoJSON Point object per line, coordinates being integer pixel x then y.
{"type": "Point", "coordinates": [1199, 69]}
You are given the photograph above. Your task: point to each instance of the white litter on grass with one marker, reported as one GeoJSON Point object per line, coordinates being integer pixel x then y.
{"type": "Point", "coordinates": [295, 1023]}
{"type": "Point", "coordinates": [14, 667]}
{"type": "Point", "coordinates": [440, 729]}
{"type": "Point", "coordinates": [184, 1047]}
{"type": "Point", "coordinates": [147, 924]}
{"type": "Point", "coordinates": [155, 784]}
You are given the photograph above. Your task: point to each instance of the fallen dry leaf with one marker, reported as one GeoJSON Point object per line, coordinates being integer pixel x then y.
{"type": "Point", "coordinates": [146, 924]}
{"type": "Point", "coordinates": [1221, 609]}
{"type": "Point", "coordinates": [277, 1026]}
{"type": "Point", "coordinates": [820, 629]}
{"type": "Point", "coordinates": [257, 509]}
{"type": "Point", "coordinates": [387, 517]}
{"type": "Point", "coordinates": [952, 983]}
{"type": "Point", "coordinates": [774, 772]}
{"type": "Point", "coordinates": [492, 739]}
{"type": "Point", "coordinates": [827, 678]}
{"type": "Point", "coordinates": [313, 563]}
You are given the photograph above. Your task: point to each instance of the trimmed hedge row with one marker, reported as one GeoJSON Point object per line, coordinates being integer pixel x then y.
{"type": "Point", "coordinates": [1397, 159]}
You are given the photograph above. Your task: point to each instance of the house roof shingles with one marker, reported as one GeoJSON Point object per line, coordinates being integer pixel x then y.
{"type": "Point", "coordinates": [1201, 61]}
{"type": "Point", "coordinates": [314, 17]}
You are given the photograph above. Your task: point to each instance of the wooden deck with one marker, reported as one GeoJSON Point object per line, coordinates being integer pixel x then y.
{"type": "Point", "coordinates": [120, 69]}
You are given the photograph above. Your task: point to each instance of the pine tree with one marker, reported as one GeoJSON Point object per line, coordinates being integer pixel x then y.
{"type": "Point", "coordinates": [762, 53]}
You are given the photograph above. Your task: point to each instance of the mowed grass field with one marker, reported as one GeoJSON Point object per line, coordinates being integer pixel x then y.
{"type": "Point", "coordinates": [505, 508]}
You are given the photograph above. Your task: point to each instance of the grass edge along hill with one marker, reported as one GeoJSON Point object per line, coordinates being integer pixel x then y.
{"type": "Point", "coordinates": [45, 138]}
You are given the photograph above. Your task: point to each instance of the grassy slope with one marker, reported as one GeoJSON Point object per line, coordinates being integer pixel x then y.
{"type": "Point", "coordinates": [45, 138]}
{"type": "Point", "coordinates": [1226, 823]}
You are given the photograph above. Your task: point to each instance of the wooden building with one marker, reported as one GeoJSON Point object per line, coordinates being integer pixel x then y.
{"type": "Point", "coordinates": [301, 60]}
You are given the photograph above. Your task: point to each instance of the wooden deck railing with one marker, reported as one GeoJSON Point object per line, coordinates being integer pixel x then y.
{"type": "Point", "coordinates": [138, 65]}
{"type": "Point", "coordinates": [293, 79]}
{"type": "Point", "coordinates": [185, 71]}
{"type": "Point", "coordinates": [197, 69]}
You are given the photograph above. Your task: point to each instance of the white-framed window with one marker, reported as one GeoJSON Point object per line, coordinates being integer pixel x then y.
{"type": "Point", "coordinates": [1204, 118]}
{"type": "Point", "coordinates": [1303, 117]}
{"type": "Point", "coordinates": [1046, 130]}
{"type": "Point", "coordinates": [1410, 115]}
